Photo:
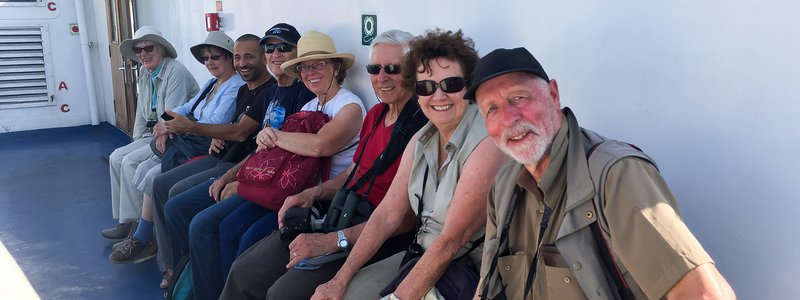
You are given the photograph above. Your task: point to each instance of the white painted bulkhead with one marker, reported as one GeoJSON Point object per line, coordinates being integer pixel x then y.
{"type": "Point", "coordinates": [704, 87]}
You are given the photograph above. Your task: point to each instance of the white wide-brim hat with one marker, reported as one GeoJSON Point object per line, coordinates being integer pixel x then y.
{"type": "Point", "coordinates": [146, 33]}
{"type": "Point", "coordinates": [215, 38]}
{"type": "Point", "coordinates": [316, 45]}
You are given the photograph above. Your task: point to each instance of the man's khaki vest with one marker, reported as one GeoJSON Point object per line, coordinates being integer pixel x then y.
{"type": "Point", "coordinates": [584, 206]}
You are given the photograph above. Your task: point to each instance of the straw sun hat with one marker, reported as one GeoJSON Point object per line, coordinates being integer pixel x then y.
{"type": "Point", "coordinates": [316, 45]}
{"type": "Point", "coordinates": [146, 33]}
{"type": "Point", "coordinates": [214, 38]}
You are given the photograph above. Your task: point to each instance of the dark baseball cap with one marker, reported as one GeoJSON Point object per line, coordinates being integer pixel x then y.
{"type": "Point", "coordinates": [283, 32]}
{"type": "Point", "coordinates": [502, 61]}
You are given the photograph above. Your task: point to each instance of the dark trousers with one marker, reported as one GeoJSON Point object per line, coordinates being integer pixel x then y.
{"type": "Point", "coordinates": [260, 272]}
{"type": "Point", "coordinates": [171, 183]}
{"type": "Point", "coordinates": [243, 227]}
{"type": "Point", "coordinates": [193, 219]}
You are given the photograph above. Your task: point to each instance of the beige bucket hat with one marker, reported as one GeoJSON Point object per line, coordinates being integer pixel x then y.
{"type": "Point", "coordinates": [215, 38]}
{"type": "Point", "coordinates": [316, 45]}
{"type": "Point", "coordinates": [146, 33]}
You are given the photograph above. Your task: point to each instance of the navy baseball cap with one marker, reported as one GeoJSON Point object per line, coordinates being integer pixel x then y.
{"type": "Point", "coordinates": [283, 32]}
{"type": "Point", "coordinates": [502, 61]}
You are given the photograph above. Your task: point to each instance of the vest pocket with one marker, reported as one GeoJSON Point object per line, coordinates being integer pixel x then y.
{"type": "Point", "coordinates": [513, 269]}
{"type": "Point", "coordinates": [561, 283]}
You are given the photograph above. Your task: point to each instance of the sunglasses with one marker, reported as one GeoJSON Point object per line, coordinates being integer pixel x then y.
{"type": "Point", "coordinates": [282, 48]}
{"type": "Point", "coordinates": [213, 57]}
{"type": "Point", "coordinates": [316, 67]}
{"type": "Point", "coordinates": [148, 49]}
{"type": "Point", "coordinates": [389, 69]}
{"type": "Point", "coordinates": [448, 85]}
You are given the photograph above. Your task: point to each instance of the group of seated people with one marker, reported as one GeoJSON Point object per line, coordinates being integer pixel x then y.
{"type": "Point", "coordinates": [419, 166]}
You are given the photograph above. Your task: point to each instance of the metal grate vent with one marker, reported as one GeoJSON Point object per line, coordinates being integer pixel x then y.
{"type": "Point", "coordinates": [23, 68]}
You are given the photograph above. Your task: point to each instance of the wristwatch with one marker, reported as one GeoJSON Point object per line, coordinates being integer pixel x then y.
{"type": "Point", "coordinates": [342, 242]}
{"type": "Point", "coordinates": [392, 297]}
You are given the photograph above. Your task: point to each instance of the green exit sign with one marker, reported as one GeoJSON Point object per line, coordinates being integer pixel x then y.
{"type": "Point", "coordinates": [369, 28]}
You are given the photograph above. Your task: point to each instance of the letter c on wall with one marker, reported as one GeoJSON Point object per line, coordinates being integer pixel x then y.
{"type": "Point", "coordinates": [65, 108]}
{"type": "Point", "coordinates": [51, 6]}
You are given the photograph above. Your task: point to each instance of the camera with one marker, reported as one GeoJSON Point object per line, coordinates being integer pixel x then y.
{"type": "Point", "coordinates": [299, 220]}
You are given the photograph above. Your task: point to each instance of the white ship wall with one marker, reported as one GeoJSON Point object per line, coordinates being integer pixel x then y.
{"type": "Point", "coordinates": [704, 87]}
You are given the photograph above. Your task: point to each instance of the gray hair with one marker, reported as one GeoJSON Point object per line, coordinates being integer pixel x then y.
{"type": "Point", "coordinates": [394, 37]}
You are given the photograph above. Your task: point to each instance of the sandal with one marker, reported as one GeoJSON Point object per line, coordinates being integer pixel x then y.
{"type": "Point", "coordinates": [165, 278]}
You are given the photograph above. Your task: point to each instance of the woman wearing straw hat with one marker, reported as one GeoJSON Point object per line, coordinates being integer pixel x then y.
{"type": "Point", "coordinates": [214, 105]}
{"type": "Point", "coordinates": [164, 84]}
{"type": "Point", "coordinates": [323, 71]}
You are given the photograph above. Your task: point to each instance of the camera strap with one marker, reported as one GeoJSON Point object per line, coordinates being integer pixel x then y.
{"type": "Point", "coordinates": [418, 223]}
{"type": "Point", "coordinates": [366, 140]}
{"type": "Point", "coordinates": [411, 119]}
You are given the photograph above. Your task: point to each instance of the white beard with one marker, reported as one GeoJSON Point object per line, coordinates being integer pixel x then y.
{"type": "Point", "coordinates": [532, 151]}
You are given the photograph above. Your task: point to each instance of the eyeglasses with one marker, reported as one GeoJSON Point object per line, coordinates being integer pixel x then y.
{"type": "Point", "coordinates": [148, 49]}
{"type": "Point", "coordinates": [282, 48]}
{"type": "Point", "coordinates": [316, 67]}
{"type": "Point", "coordinates": [389, 69]}
{"type": "Point", "coordinates": [213, 57]}
{"type": "Point", "coordinates": [448, 85]}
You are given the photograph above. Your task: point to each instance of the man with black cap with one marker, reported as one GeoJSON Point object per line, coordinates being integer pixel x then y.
{"type": "Point", "coordinates": [576, 215]}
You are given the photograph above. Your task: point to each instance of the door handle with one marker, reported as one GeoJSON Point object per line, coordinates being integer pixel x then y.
{"type": "Point", "coordinates": [124, 76]}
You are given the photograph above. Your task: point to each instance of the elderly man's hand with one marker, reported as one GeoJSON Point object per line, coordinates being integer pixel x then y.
{"type": "Point", "coordinates": [303, 199]}
{"type": "Point", "coordinates": [311, 245]}
{"type": "Point", "coordinates": [180, 124]}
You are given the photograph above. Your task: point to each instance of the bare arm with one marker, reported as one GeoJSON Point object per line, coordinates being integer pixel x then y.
{"type": "Point", "coordinates": [333, 136]}
{"type": "Point", "coordinates": [390, 217]}
{"type": "Point", "coordinates": [702, 282]}
{"type": "Point", "coordinates": [230, 132]}
{"type": "Point", "coordinates": [468, 205]}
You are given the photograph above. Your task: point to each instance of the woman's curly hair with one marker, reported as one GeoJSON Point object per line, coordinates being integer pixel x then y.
{"type": "Point", "coordinates": [434, 44]}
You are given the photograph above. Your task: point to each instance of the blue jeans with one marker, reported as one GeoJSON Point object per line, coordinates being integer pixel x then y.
{"type": "Point", "coordinates": [193, 218]}
{"type": "Point", "coordinates": [245, 226]}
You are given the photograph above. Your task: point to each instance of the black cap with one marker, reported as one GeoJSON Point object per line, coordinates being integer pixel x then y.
{"type": "Point", "coordinates": [502, 61]}
{"type": "Point", "coordinates": [283, 32]}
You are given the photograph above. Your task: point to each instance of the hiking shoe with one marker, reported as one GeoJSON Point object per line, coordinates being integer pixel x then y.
{"type": "Point", "coordinates": [120, 243]}
{"type": "Point", "coordinates": [132, 249]}
{"type": "Point", "coordinates": [120, 231]}
{"type": "Point", "coordinates": [149, 252]}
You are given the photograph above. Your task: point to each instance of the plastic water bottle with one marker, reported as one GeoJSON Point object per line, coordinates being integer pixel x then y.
{"type": "Point", "coordinates": [277, 116]}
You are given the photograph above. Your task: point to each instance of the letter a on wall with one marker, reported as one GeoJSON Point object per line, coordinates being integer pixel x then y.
{"type": "Point", "coordinates": [62, 86]}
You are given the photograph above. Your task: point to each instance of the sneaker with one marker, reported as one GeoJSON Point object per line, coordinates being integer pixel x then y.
{"type": "Point", "coordinates": [120, 231]}
{"type": "Point", "coordinates": [132, 249]}
{"type": "Point", "coordinates": [149, 252]}
{"type": "Point", "coordinates": [120, 243]}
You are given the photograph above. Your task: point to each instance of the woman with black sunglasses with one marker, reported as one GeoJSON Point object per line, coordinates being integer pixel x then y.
{"type": "Point", "coordinates": [439, 191]}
